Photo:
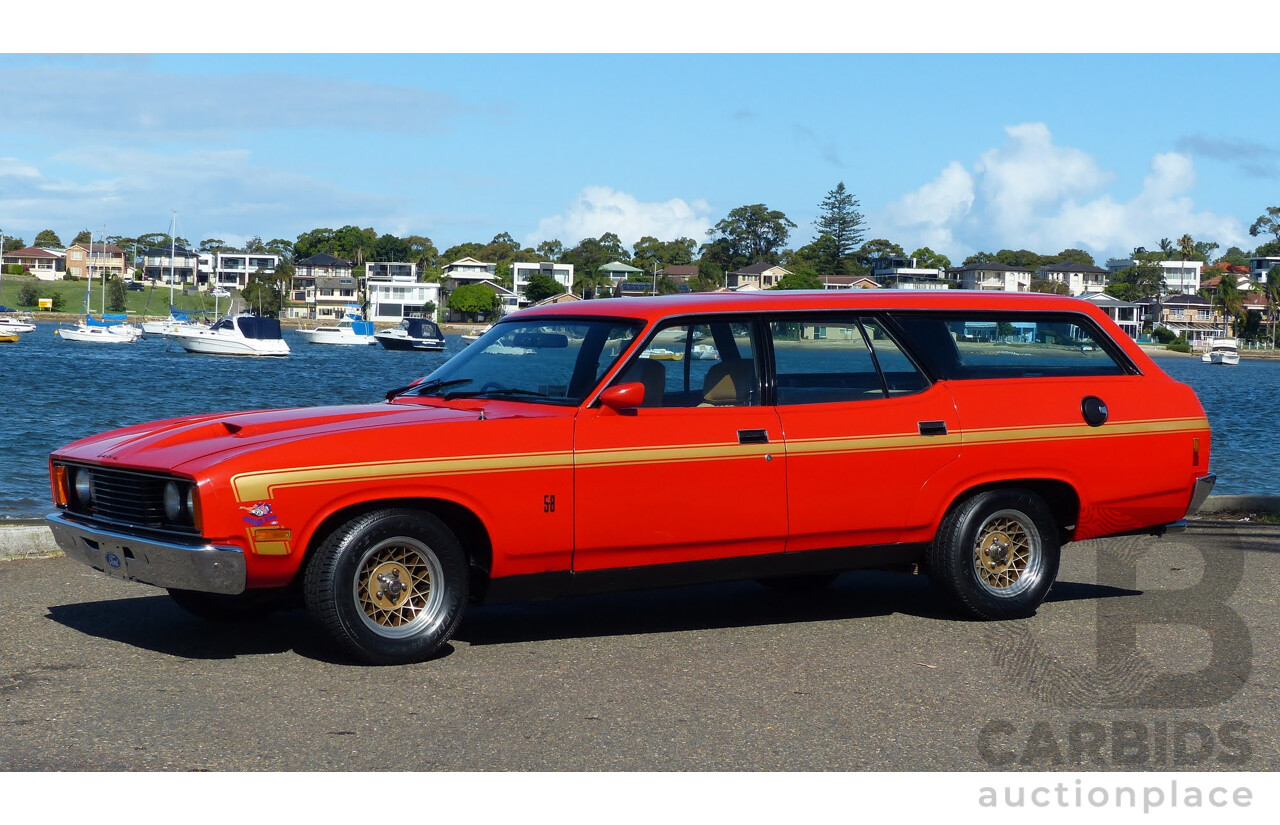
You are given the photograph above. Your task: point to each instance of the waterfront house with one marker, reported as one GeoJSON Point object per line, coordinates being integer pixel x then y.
{"type": "Point", "coordinates": [467, 271]}
{"type": "Point", "coordinates": [158, 262]}
{"type": "Point", "coordinates": [1260, 267]}
{"type": "Point", "coordinates": [680, 273]}
{"type": "Point", "coordinates": [233, 270]}
{"type": "Point", "coordinates": [904, 273]}
{"type": "Point", "coordinates": [1194, 317]}
{"type": "Point", "coordinates": [759, 275]}
{"type": "Point", "coordinates": [521, 271]}
{"type": "Point", "coordinates": [322, 287]}
{"type": "Point", "coordinates": [394, 292]}
{"type": "Point", "coordinates": [1180, 277]}
{"type": "Point", "coordinates": [44, 264]}
{"type": "Point", "coordinates": [103, 259]}
{"type": "Point", "coordinates": [1128, 316]}
{"type": "Point", "coordinates": [618, 272]}
{"type": "Point", "coordinates": [848, 282]}
{"type": "Point", "coordinates": [1081, 280]}
{"type": "Point", "coordinates": [991, 276]}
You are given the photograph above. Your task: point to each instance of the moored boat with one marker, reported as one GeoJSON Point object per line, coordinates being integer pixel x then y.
{"type": "Point", "coordinates": [10, 324]}
{"type": "Point", "coordinates": [111, 330]}
{"type": "Point", "coordinates": [412, 333]}
{"type": "Point", "coordinates": [1222, 351]}
{"type": "Point", "coordinates": [9, 337]}
{"type": "Point", "coordinates": [234, 335]}
{"type": "Point", "coordinates": [350, 330]}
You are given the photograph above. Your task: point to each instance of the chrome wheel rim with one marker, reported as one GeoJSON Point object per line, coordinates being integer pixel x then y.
{"type": "Point", "coordinates": [399, 588]}
{"type": "Point", "coordinates": [1008, 557]}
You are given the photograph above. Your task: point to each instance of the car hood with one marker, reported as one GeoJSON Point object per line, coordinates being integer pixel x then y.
{"type": "Point", "coordinates": [186, 444]}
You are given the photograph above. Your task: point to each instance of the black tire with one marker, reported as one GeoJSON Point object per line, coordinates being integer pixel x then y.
{"type": "Point", "coordinates": [223, 607]}
{"type": "Point", "coordinates": [424, 579]}
{"type": "Point", "coordinates": [996, 554]}
{"type": "Point", "coordinates": [803, 583]}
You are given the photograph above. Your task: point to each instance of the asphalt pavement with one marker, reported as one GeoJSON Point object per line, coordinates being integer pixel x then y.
{"type": "Point", "coordinates": [1150, 654]}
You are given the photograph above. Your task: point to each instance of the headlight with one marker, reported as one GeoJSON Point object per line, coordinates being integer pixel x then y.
{"type": "Point", "coordinates": [83, 487]}
{"type": "Point", "coordinates": [173, 501]}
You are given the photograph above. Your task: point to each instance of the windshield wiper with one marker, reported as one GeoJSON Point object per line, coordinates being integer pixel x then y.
{"type": "Point", "coordinates": [420, 389]}
{"type": "Point", "coordinates": [499, 391]}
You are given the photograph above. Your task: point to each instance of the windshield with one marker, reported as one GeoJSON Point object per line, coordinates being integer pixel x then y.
{"type": "Point", "coordinates": [556, 361]}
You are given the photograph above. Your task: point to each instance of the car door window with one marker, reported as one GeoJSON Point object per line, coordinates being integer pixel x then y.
{"type": "Point", "coordinates": [707, 363]}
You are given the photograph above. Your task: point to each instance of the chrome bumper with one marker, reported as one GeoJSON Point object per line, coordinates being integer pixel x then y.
{"type": "Point", "coordinates": [206, 567]}
{"type": "Point", "coordinates": [1199, 492]}
{"type": "Point", "coordinates": [1204, 486]}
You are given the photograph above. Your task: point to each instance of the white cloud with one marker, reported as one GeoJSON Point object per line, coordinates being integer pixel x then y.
{"type": "Point", "coordinates": [1031, 194]}
{"type": "Point", "coordinates": [599, 209]}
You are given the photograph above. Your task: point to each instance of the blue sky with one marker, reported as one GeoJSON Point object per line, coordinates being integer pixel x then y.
{"type": "Point", "coordinates": [958, 152]}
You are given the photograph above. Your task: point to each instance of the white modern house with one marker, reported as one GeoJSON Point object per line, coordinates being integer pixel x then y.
{"type": "Point", "coordinates": [1180, 277]}
{"type": "Point", "coordinates": [394, 292]}
{"type": "Point", "coordinates": [158, 263]}
{"type": "Point", "coordinates": [904, 273]}
{"type": "Point", "coordinates": [521, 272]}
{"type": "Point", "coordinates": [991, 276]}
{"type": "Point", "coordinates": [1082, 280]}
{"type": "Point", "coordinates": [1260, 268]}
{"type": "Point", "coordinates": [232, 270]}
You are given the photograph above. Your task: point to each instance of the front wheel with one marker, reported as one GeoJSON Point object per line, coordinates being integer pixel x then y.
{"type": "Point", "coordinates": [996, 554]}
{"type": "Point", "coordinates": [389, 586]}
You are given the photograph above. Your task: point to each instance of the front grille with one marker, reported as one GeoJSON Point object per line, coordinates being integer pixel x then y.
{"type": "Point", "coordinates": [127, 498]}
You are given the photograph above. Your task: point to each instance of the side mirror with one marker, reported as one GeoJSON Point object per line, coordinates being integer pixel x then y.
{"type": "Point", "coordinates": [623, 398]}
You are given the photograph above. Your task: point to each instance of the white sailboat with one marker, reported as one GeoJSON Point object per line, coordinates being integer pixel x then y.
{"type": "Point", "coordinates": [177, 318]}
{"type": "Point", "coordinates": [112, 329]}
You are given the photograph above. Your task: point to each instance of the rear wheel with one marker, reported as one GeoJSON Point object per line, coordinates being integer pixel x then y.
{"type": "Point", "coordinates": [996, 554]}
{"type": "Point", "coordinates": [389, 586]}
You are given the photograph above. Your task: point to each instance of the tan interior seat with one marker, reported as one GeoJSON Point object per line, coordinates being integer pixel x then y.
{"type": "Point", "coordinates": [652, 375]}
{"type": "Point", "coordinates": [728, 383]}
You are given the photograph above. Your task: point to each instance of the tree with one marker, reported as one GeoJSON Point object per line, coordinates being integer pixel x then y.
{"type": "Point", "coordinates": [1166, 248]}
{"type": "Point", "coordinates": [926, 258]}
{"type": "Point", "coordinates": [154, 240]}
{"type": "Point", "coordinates": [84, 236]}
{"type": "Point", "coordinates": [1050, 286]}
{"type": "Point", "coordinates": [551, 250]}
{"type": "Point", "coordinates": [115, 295]}
{"type": "Point", "coordinates": [751, 234]}
{"type": "Point", "coordinates": [651, 253]}
{"type": "Point", "coordinates": [264, 293]}
{"type": "Point", "coordinates": [213, 246]}
{"type": "Point", "coordinates": [542, 286]}
{"type": "Point", "coordinates": [390, 248]}
{"type": "Point", "coordinates": [28, 296]}
{"type": "Point", "coordinates": [799, 280]}
{"type": "Point", "coordinates": [710, 277]}
{"type": "Point", "coordinates": [47, 238]}
{"type": "Point", "coordinates": [841, 221]}
{"type": "Point", "coordinates": [978, 258]}
{"type": "Point", "coordinates": [1268, 224]}
{"type": "Point", "coordinates": [1023, 258]}
{"type": "Point", "coordinates": [1228, 300]}
{"type": "Point", "coordinates": [13, 244]}
{"type": "Point", "coordinates": [1078, 256]}
{"type": "Point", "coordinates": [880, 248]}
{"type": "Point", "coordinates": [473, 299]}
{"type": "Point", "coordinates": [1135, 283]}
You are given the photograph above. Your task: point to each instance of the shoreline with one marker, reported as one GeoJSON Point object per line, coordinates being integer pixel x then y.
{"type": "Point", "coordinates": [454, 328]}
{"type": "Point", "coordinates": [32, 539]}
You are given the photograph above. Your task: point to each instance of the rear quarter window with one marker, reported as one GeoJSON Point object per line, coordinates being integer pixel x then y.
{"type": "Point", "coordinates": [1011, 345]}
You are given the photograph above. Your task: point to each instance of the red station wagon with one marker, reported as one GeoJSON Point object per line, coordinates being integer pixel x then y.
{"type": "Point", "coordinates": [972, 434]}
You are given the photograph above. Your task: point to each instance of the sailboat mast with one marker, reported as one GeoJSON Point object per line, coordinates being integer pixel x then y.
{"type": "Point", "coordinates": [173, 231]}
{"type": "Point", "coordinates": [104, 275]}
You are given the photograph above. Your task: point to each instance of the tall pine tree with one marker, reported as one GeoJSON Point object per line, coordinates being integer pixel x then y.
{"type": "Point", "coordinates": [841, 221]}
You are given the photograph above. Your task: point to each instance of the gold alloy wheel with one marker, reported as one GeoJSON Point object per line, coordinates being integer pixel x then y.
{"type": "Point", "coordinates": [1007, 555]}
{"type": "Point", "coordinates": [399, 588]}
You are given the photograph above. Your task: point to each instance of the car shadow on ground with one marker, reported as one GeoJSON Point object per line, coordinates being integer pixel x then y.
{"type": "Point", "coordinates": [156, 623]}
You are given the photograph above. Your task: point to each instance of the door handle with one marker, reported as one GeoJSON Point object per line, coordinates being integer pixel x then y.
{"type": "Point", "coordinates": [932, 427]}
{"type": "Point", "coordinates": [753, 436]}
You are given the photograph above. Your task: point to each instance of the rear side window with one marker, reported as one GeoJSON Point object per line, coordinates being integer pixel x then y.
{"type": "Point", "coordinates": [1010, 345]}
{"type": "Point", "coordinates": [838, 358]}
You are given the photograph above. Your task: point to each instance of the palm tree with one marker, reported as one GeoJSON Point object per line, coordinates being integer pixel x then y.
{"type": "Point", "coordinates": [1228, 300]}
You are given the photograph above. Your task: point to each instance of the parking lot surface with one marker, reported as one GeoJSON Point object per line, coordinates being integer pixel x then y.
{"type": "Point", "coordinates": [1150, 654]}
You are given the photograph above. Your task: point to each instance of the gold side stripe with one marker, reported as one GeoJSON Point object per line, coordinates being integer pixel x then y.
{"type": "Point", "coordinates": [262, 485]}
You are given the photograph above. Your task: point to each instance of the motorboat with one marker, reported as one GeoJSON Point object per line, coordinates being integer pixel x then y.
{"type": "Point", "coordinates": [468, 337]}
{"type": "Point", "coordinates": [165, 326]}
{"type": "Point", "coordinates": [350, 330]}
{"type": "Point", "coordinates": [1222, 351]}
{"type": "Point", "coordinates": [110, 330]}
{"type": "Point", "coordinates": [9, 337]}
{"type": "Point", "coordinates": [234, 335]}
{"type": "Point", "coordinates": [412, 333]}
{"type": "Point", "coordinates": [9, 324]}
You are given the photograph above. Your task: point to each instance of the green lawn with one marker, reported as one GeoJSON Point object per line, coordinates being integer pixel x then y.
{"type": "Point", "coordinates": [146, 302]}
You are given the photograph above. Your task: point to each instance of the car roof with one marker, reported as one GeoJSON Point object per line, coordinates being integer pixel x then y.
{"type": "Point", "coordinates": [663, 306]}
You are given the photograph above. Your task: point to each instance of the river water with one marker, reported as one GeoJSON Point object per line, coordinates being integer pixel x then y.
{"type": "Point", "coordinates": [54, 391]}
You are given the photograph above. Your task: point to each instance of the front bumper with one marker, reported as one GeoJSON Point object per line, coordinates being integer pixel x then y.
{"type": "Point", "coordinates": [205, 567]}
